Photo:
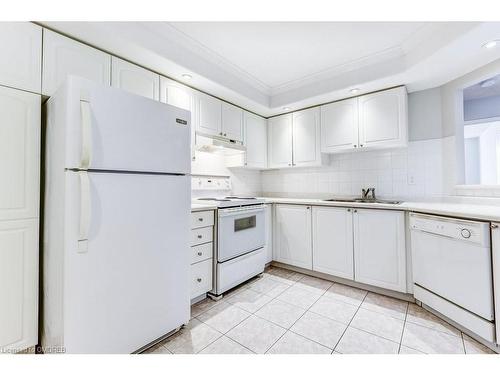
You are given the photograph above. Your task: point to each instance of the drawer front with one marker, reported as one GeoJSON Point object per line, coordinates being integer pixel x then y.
{"type": "Point", "coordinates": [201, 252]}
{"type": "Point", "coordinates": [201, 235]}
{"type": "Point", "coordinates": [202, 219]}
{"type": "Point", "coordinates": [201, 278]}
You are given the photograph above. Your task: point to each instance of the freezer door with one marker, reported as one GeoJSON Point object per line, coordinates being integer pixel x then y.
{"type": "Point", "coordinates": [110, 129]}
{"type": "Point", "coordinates": [126, 278]}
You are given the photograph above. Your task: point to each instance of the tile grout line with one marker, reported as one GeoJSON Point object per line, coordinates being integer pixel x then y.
{"type": "Point", "coordinates": [349, 324]}
{"type": "Point", "coordinates": [404, 325]}
{"type": "Point", "coordinates": [463, 341]}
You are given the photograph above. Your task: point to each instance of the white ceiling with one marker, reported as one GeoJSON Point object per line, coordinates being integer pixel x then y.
{"type": "Point", "coordinates": [279, 53]}
{"type": "Point", "coordinates": [265, 66]}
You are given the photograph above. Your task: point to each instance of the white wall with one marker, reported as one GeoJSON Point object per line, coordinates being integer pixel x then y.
{"type": "Point", "coordinates": [424, 115]}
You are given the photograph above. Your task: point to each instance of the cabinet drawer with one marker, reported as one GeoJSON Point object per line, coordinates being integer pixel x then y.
{"type": "Point", "coordinates": [202, 219]}
{"type": "Point", "coordinates": [201, 252]}
{"type": "Point", "coordinates": [201, 235]}
{"type": "Point", "coordinates": [201, 278]}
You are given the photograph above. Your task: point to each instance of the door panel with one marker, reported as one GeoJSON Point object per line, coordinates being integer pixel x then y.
{"type": "Point", "coordinates": [383, 118]}
{"type": "Point", "coordinates": [209, 115]}
{"type": "Point", "coordinates": [379, 248]}
{"type": "Point", "coordinates": [339, 126]}
{"type": "Point", "coordinates": [127, 132]}
{"type": "Point", "coordinates": [64, 56]}
{"type": "Point", "coordinates": [21, 62]}
{"type": "Point", "coordinates": [19, 284]}
{"type": "Point", "coordinates": [333, 241]}
{"type": "Point", "coordinates": [232, 122]}
{"type": "Point", "coordinates": [256, 141]}
{"type": "Point", "coordinates": [19, 154]}
{"type": "Point", "coordinates": [293, 235]}
{"type": "Point", "coordinates": [131, 286]}
{"type": "Point", "coordinates": [280, 141]}
{"type": "Point", "coordinates": [306, 138]}
{"type": "Point", "coordinates": [134, 79]}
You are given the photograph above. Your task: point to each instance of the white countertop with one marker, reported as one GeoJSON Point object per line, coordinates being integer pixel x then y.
{"type": "Point", "coordinates": [461, 210]}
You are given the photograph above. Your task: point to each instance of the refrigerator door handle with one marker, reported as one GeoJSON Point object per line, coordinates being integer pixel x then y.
{"type": "Point", "coordinates": [86, 118]}
{"type": "Point", "coordinates": [84, 212]}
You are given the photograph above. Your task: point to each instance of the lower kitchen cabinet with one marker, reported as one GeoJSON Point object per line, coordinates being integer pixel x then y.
{"type": "Point", "coordinates": [269, 233]}
{"type": "Point", "coordinates": [202, 248]}
{"type": "Point", "coordinates": [379, 248]}
{"type": "Point", "coordinates": [292, 235]}
{"type": "Point", "coordinates": [18, 284]}
{"type": "Point", "coordinates": [332, 239]}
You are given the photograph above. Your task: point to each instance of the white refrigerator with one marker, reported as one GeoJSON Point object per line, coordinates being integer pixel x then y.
{"type": "Point", "coordinates": [116, 220]}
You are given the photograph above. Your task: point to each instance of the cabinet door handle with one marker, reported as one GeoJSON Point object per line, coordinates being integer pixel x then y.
{"type": "Point", "coordinates": [361, 145]}
{"type": "Point", "coordinates": [200, 219]}
{"type": "Point", "coordinates": [355, 210]}
{"type": "Point", "coordinates": [494, 226]}
{"type": "Point", "coordinates": [198, 279]}
{"type": "Point", "coordinates": [355, 146]}
{"type": "Point", "coordinates": [200, 236]}
{"type": "Point", "coordinates": [200, 253]}
{"type": "Point", "coordinates": [225, 134]}
{"type": "Point", "coordinates": [348, 210]}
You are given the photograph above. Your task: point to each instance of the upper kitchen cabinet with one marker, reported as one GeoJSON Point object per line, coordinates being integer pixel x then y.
{"type": "Point", "coordinates": [339, 126]}
{"type": "Point", "coordinates": [134, 79]}
{"type": "Point", "coordinates": [21, 62]}
{"type": "Point", "coordinates": [232, 122]}
{"type": "Point", "coordinates": [209, 115]}
{"type": "Point", "coordinates": [383, 119]}
{"type": "Point", "coordinates": [379, 248]}
{"type": "Point", "coordinates": [64, 56]}
{"type": "Point", "coordinates": [255, 128]}
{"type": "Point", "coordinates": [306, 138]}
{"type": "Point", "coordinates": [279, 131]}
{"type": "Point", "coordinates": [19, 154]}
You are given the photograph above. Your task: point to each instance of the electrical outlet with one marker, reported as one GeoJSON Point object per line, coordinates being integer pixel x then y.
{"type": "Point", "coordinates": [411, 178]}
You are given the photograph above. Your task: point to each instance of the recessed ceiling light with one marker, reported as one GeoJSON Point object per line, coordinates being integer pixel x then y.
{"type": "Point", "coordinates": [487, 83]}
{"type": "Point", "coordinates": [490, 44]}
{"type": "Point", "coordinates": [187, 76]}
{"type": "Point", "coordinates": [354, 91]}
{"type": "Point", "coordinates": [286, 108]}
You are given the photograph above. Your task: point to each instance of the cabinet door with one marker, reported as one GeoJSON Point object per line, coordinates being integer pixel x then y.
{"type": "Point", "coordinates": [339, 126]}
{"type": "Point", "coordinates": [279, 130]}
{"type": "Point", "coordinates": [18, 284]}
{"type": "Point", "coordinates": [176, 94]}
{"type": "Point", "coordinates": [19, 154]}
{"type": "Point", "coordinates": [383, 119]}
{"type": "Point", "coordinates": [232, 122]}
{"type": "Point", "coordinates": [333, 241]}
{"type": "Point", "coordinates": [292, 231]}
{"type": "Point", "coordinates": [134, 79]}
{"type": "Point", "coordinates": [21, 62]}
{"type": "Point", "coordinates": [379, 248]}
{"type": "Point", "coordinates": [269, 233]}
{"type": "Point", "coordinates": [256, 141]}
{"type": "Point", "coordinates": [64, 56]}
{"type": "Point", "coordinates": [306, 138]}
{"type": "Point", "coordinates": [495, 249]}
{"type": "Point", "coordinates": [209, 115]}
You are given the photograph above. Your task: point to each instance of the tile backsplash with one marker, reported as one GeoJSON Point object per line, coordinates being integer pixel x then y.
{"type": "Point", "coordinates": [413, 172]}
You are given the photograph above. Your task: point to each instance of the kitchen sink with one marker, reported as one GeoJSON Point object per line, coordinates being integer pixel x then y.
{"type": "Point", "coordinates": [361, 200]}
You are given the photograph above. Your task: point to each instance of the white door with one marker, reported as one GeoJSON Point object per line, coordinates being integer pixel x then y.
{"type": "Point", "coordinates": [21, 62]}
{"type": "Point", "coordinates": [178, 95]}
{"type": "Point", "coordinates": [379, 248]}
{"type": "Point", "coordinates": [333, 252]}
{"type": "Point", "coordinates": [339, 126]}
{"type": "Point", "coordinates": [306, 138]}
{"type": "Point", "coordinates": [18, 284]}
{"type": "Point", "coordinates": [292, 231]}
{"type": "Point", "coordinates": [495, 246]}
{"type": "Point", "coordinates": [255, 140]}
{"type": "Point", "coordinates": [114, 130]}
{"type": "Point", "coordinates": [383, 119]}
{"type": "Point", "coordinates": [134, 79]}
{"type": "Point", "coordinates": [232, 122]}
{"type": "Point", "coordinates": [130, 285]}
{"type": "Point", "coordinates": [269, 233]}
{"type": "Point", "coordinates": [19, 154]}
{"type": "Point", "coordinates": [209, 115]}
{"type": "Point", "coordinates": [64, 56]}
{"type": "Point", "coordinates": [279, 130]}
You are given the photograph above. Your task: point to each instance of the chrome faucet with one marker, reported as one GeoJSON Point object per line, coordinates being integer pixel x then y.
{"type": "Point", "coordinates": [365, 193]}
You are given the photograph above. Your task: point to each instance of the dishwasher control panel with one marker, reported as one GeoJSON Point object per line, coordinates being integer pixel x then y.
{"type": "Point", "coordinates": [471, 231]}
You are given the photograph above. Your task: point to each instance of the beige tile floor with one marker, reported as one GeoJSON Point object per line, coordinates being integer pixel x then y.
{"type": "Point", "coordinates": [287, 312]}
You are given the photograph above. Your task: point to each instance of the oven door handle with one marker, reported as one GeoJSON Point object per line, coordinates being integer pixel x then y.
{"type": "Point", "coordinates": [238, 211]}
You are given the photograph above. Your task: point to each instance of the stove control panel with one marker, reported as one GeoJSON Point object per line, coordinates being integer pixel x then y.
{"type": "Point", "coordinates": [210, 183]}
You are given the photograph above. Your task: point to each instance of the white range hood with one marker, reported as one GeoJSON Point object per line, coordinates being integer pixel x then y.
{"type": "Point", "coordinates": [214, 144]}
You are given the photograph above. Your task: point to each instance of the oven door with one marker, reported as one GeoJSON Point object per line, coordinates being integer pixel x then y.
{"type": "Point", "coordinates": [240, 231]}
